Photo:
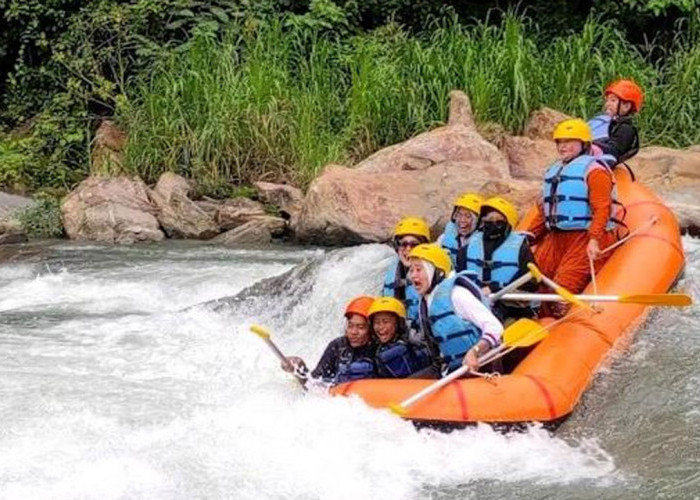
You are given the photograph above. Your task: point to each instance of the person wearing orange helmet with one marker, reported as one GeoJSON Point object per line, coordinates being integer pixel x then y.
{"type": "Point", "coordinates": [397, 355]}
{"type": "Point", "coordinates": [615, 137]}
{"type": "Point", "coordinates": [577, 213]}
{"type": "Point", "coordinates": [346, 358]}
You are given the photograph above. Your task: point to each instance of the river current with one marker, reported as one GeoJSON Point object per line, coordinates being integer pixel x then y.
{"type": "Point", "coordinates": [130, 373]}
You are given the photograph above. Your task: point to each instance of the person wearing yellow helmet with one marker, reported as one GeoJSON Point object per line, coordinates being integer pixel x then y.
{"type": "Point", "coordinates": [455, 318]}
{"type": "Point", "coordinates": [409, 233]}
{"type": "Point", "coordinates": [397, 356]}
{"type": "Point", "coordinates": [463, 222]}
{"type": "Point", "coordinates": [346, 358]}
{"type": "Point", "coordinates": [577, 213]}
{"type": "Point", "coordinates": [615, 137]}
{"type": "Point", "coordinates": [497, 255]}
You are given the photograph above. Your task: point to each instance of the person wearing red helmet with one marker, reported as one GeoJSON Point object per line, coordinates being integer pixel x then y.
{"type": "Point", "coordinates": [346, 358]}
{"type": "Point", "coordinates": [615, 137]}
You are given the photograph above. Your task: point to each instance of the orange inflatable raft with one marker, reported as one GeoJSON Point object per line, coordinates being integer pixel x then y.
{"type": "Point", "coordinates": [548, 383]}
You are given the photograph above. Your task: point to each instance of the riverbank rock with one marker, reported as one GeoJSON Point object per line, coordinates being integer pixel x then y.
{"type": "Point", "coordinates": [107, 156]}
{"type": "Point", "coordinates": [113, 210]}
{"type": "Point", "coordinates": [541, 123]}
{"type": "Point", "coordinates": [675, 175]}
{"type": "Point", "coordinates": [258, 231]}
{"type": "Point", "coordinates": [287, 198]}
{"type": "Point", "coordinates": [10, 203]}
{"type": "Point", "coordinates": [179, 216]}
{"type": "Point", "coordinates": [421, 176]}
{"type": "Point", "coordinates": [528, 158]}
{"type": "Point", "coordinates": [11, 232]}
{"type": "Point", "coordinates": [238, 211]}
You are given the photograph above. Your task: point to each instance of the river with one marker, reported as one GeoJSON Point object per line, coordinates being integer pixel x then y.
{"type": "Point", "coordinates": [121, 379]}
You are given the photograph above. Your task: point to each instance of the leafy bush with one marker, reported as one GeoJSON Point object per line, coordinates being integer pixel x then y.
{"type": "Point", "coordinates": [43, 218]}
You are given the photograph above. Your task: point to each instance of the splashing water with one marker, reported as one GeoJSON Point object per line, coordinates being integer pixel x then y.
{"type": "Point", "coordinates": [116, 384]}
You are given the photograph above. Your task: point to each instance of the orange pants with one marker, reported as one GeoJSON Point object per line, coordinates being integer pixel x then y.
{"type": "Point", "coordinates": [562, 256]}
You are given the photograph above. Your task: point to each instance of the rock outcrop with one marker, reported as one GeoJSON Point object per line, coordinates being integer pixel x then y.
{"type": "Point", "coordinates": [107, 154]}
{"type": "Point", "coordinates": [113, 210]}
{"type": "Point", "coordinates": [179, 216]}
{"type": "Point", "coordinates": [421, 176]}
{"type": "Point", "coordinates": [258, 231]}
{"type": "Point", "coordinates": [238, 211]}
{"type": "Point", "coordinates": [287, 198]}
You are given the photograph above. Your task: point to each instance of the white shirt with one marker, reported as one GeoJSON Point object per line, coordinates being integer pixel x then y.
{"type": "Point", "coordinates": [469, 308]}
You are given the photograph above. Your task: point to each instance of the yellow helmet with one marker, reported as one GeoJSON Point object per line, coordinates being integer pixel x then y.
{"type": "Point", "coordinates": [434, 254]}
{"type": "Point", "coordinates": [574, 128]}
{"type": "Point", "coordinates": [414, 226]}
{"type": "Point", "coordinates": [470, 201]}
{"type": "Point", "coordinates": [503, 206]}
{"type": "Point", "coordinates": [387, 304]}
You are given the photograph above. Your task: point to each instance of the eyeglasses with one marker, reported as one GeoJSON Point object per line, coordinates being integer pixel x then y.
{"type": "Point", "coordinates": [408, 244]}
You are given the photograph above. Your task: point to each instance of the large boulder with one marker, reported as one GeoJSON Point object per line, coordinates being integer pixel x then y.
{"type": "Point", "coordinates": [541, 123]}
{"type": "Point", "coordinates": [287, 198]}
{"type": "Point", "coordinates": [675, 175]}
{"type": "Point", "coordinates": [10, 203]}
{"type": "Point", "coordinates": [114, 210]}
{"type": "Point", "coordinates": [421, 176]}
{"type": "Point", "coordinates": [528, 158]}
{"type": "Point", "coordinates": [237, 211]}
{"type": "Point", "coordinates": [11, 232]}
{"type": "Point", "coordinates": [179, 216]}
{"type": "Point", "coordinates": [254, 232]}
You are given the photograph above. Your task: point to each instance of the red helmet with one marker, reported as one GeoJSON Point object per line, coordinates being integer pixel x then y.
{"type": "Point", "coordinates": [359, 305]}
{"type": "Point", "coordinates": [627, 90]}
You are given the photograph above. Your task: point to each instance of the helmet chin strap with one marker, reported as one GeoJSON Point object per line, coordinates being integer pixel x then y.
{"type": "Point", "coordinates": [435, 276]}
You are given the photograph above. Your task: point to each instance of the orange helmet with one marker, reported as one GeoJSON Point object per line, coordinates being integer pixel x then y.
{"type": "Point", "coordinates": [359, 305]}
{"type": "Point", "coordinates": [627, 90]}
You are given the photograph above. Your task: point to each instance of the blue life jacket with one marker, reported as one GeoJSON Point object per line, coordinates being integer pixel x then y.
{"type": "Point", "coordinates": [453, 335]}
{"type": "Point", "coordinates": [451, 241]}
{"type": "Point", "coordinates": [600, 126]}
{"type": "Point", "coordinates": [349, 369]}
{"type": "Point", "coordinates": [403, 290]}
{"type": "Point", "coordinates": [505, 260]}
{"type": "Point", "coordinates": [399, 359]}
{"type": "Point", "coordinates": [565, 196]}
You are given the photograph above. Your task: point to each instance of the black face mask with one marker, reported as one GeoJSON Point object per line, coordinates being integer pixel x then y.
{"type": "Point", "coordinates": [494, 230]}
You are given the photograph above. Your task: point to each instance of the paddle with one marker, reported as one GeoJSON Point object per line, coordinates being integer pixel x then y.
{"type": "Point", "coordinates": [560, 290]}
{"type": "Point", "coordinates": [265, 335]}
{"type": "Point", "coordinates": [652, 299]}
{"type": "Point", "coordinates": [522, 333]}
{"type": "Point", "coordinates": [511, 286]}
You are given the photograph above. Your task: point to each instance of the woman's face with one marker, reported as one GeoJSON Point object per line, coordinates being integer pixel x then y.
{"type": "Point", "coordinates": [465, 220]}
{"type": "Point", "coordinates": [569, 149]}
{"type": "Point", "coordinates": [405, 245]}
{"type": "Point", "coordinates": [615, 106]}
{"type": "Point", "coordinates": [385, 325]}
{"type": "Point", "coordinates": [419, 276]}
{"type": "Point", "coordinates": [357, 330]}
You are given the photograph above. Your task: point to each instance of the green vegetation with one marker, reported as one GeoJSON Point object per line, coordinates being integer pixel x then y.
{"type": "Point", "coordinates": [43, 218]}
{"type": "Point", "coordinates": [230, 91]}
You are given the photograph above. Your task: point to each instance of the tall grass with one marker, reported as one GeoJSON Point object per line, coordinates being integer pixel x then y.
{"type": "Point", "coordinates": [279, 102]}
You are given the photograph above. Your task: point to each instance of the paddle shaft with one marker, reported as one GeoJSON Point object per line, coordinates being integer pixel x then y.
{"type": "Point", "coordinates": [463, 370]}
{"type": "Point", "coordinates": [512, 286]}
{"type": "Point", "coordinates": [265, 335]}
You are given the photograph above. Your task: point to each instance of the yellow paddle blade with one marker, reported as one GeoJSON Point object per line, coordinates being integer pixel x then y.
{"type": "Point", "coordinates": [397, 409]}
{"type": "Point", "coordinates": [659, 299]}
{"type": "Point", "coordinates": [260, 331]}
{"type": "Point", "coordinates": [524, 332]}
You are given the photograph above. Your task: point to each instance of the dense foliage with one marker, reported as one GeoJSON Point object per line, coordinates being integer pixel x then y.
{"type": "Point", "coordinates": [229, 90]}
